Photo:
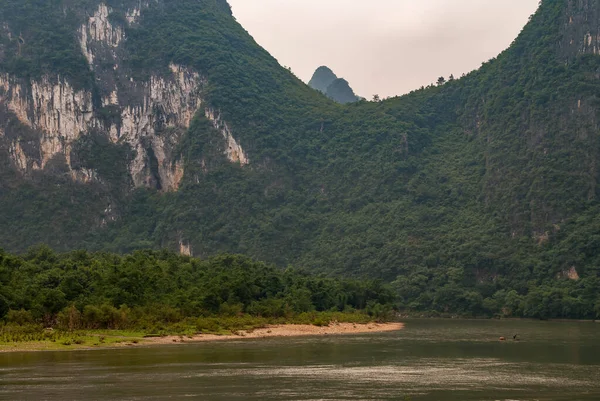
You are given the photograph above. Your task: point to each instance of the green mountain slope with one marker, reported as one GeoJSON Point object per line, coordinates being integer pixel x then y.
{"type": "Point", "coordinates": [476, 196]}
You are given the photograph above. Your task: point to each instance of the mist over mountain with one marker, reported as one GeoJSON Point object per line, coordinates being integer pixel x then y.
{"type": "Point", "coordinates": [128, 125]}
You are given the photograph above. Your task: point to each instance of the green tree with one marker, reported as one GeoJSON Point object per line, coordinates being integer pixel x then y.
{"type": "Point", "coordinates": [4, 306]}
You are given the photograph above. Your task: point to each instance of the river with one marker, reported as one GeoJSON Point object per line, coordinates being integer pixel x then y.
{"type": "Point", "coordinates": [430, 360]}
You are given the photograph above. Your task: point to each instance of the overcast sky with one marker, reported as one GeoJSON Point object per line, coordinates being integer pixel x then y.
{"type": "Point", "coordinates": [385, 47]}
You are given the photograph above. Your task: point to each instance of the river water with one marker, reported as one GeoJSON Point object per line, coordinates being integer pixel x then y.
{"type": "Point", "coordinates": [433, 360]}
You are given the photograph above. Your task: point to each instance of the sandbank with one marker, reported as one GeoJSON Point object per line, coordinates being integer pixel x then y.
{"type": "Point", "coordinates": [286, 330]}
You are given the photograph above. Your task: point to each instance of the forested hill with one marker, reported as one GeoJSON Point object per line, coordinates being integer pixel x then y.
{"type": "Point", "coordinates": [128, 125]}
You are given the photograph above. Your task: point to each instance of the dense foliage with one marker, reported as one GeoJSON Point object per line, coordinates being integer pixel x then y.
{"type": "Point", "coordinates": [153, 288]}
{"type": "Point", "coordinates": [478, 195]}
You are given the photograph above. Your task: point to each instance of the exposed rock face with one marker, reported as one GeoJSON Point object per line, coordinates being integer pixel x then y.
{"type": "Point", "coordinates": [233, 150]}
{"type": "Point", "coordinates": [185, 248]}
{"type": "Point", "coordinates": [581, 29]}
{"type": "Point", "coordinates": [150, 116]}
{"type": "Point", "coordinates": [84, 175]}
{"type": "Point", "coordinates": [570, 274]}
{"type": "Point", "coordinates": [62, 115]}
{"type": "Point", "coordinates": [167, 103]}
{"type": "Point", "coordinates": [99, 29]}
{"type": "Point", "coordinates": [17, 154]}
{"type": "Point", "coordinates": [56, 110]}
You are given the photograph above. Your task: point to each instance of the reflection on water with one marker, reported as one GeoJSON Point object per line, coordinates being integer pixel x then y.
{"type": "Point", "coordinates": [429, 360]}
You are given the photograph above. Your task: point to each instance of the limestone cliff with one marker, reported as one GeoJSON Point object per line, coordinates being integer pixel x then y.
{"type": "Point", "coordinates": [149, 115]}
{"type": "Point", "coordinates": [580, 28]}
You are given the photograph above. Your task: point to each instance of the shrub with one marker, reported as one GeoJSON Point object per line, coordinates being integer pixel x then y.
{"type": "Point", "coordinates": [20, 317]}
{"type": "Point", "coordinates": [69, 319]}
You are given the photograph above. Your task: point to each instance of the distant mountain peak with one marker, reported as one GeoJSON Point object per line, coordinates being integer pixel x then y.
{"type": "Point", "coordinates": [338, 89]}
{"type": "Point", "coordinates": [324, 70]}
{"type": "Point", "coordinates": [322, 78]}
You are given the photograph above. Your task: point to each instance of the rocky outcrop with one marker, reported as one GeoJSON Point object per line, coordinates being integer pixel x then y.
{"type": "Point", "coordinates": [581, 28]}
{"type": "Point", "coordinates": [61, 115]}
{"type": "Point", "coordinates": [98, 32]}
{"type": "Point", "coordinates": [570, 274]}
{"type": "Point", "coordinates": [233, 150]}
{"type": "Point", "coordinates": [19, 157]}
{"type": "Point", "coordinates": [55, 109]}
{"type": "Point", "coordinates": [84, 175]}
{"type": "Point", "coordinates": [185, 248]}
{"type": "Point", "coordinates": [149, 116]}
{"type": "Point", "coordinates": [99, 29]}
{"type": "Point", "coordinates": [157, 122]}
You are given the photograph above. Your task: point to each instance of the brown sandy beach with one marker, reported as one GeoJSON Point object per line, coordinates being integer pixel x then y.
{"type": "Point", "coordinates": [287, 330]}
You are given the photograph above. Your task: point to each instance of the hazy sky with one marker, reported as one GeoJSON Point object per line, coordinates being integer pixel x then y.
{"type": "Point", "coordinates": [388, 47]}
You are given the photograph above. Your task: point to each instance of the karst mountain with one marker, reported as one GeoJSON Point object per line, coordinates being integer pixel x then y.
{"type": "Point", "coordinates": [128, 124]}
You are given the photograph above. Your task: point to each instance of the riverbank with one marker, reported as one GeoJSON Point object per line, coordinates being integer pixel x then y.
{"type": "Point", "coordinates": [285, 330]}
{"type": "Point", "coordinates": [107, 339]}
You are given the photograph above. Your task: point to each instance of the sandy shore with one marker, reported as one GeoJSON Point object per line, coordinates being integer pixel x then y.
{"type": "Point", "coordinates": [288, 330]}
{"type": "Point", "coordinates": [116, 341]}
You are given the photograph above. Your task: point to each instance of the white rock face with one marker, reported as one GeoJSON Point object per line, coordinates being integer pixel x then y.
{"type": "Point", "coordinates": [14, 97]}
{"type": "Point", "coordinates": [233, 150]}
{"type": "Point", "coordinates": [570, 274]}
{"type": "Point", "coordinates": [99, 29]}
{"type": "Point", "coordinates": [133, 15]}
{"type": "Point", "coordinates": [170, 102]}
{"type": "Point", "coordinates": [55, 109]}
{"type": "Point", "coordinates": [149, 116]}
{"type": "Point", "coordinates": [185, 248]}
{"type": "Point", "coordinates": [591, 44]}
{"type": "Point", "coordinates": [84, 175]}
{"type": "Point", "coordinates": [62, 115]}
{"type": "Point", "coordinates": [17, 154]}
{"type": "Point", "coordinates": [112, 100]}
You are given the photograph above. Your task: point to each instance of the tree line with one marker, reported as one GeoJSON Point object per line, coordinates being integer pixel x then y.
{"type": "Point", "coordinates": [151, 288]}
